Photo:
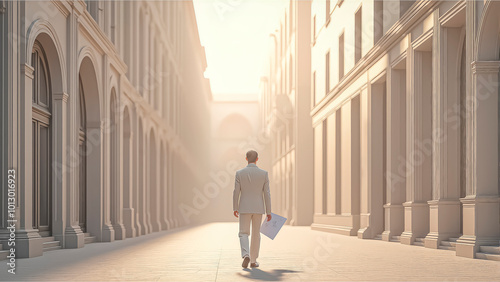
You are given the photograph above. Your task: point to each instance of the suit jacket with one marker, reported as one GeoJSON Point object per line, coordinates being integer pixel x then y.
{"type": "Point", "coordinates": [251, 191]}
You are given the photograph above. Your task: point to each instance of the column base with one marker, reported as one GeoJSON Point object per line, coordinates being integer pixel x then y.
{"type": "Point", "coordinates": [444, 222]}
{"type": "Point", "coordinates": [108, 233]}
{"type": "Point", "coordinates": [340, 224]}
{"type": "Point", "coordinates": [165, 225]}
{"type": "Point", "coordinates": [365, 232]}
{"type": "Point", "coordinates": [120, 233]}
{"type": "Point", "coordinates": [394, 221]}
{"type": "Point", "coordinates": [128, 222]}
{"type": "Point", "coordinates": [481, 216]}
{"type": "Point", "coordinates": [73, 238]}
{"type": "Point", "coordinates": [468, 246]}
{"type": "Point", "coordinates": [156, 226]}
{"type": "Point", "coordinates": [29, 243]}
{"type": "Point", "coordinates": [148, 223]}
{"type": "Point", "coordinates": [416, 222]}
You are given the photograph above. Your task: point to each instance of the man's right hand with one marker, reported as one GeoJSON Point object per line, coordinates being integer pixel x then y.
{"type": "Point", "coordinates": [236, 213]}
{"type": "Point", "coordinates": [269, 217]}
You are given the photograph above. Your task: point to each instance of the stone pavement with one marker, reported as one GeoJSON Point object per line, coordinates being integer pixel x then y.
{"type": "Point", "coordinates": [211, 252]}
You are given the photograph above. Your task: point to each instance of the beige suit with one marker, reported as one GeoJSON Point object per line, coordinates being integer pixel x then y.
{"type": "Point", "coordinates": [251, 198]}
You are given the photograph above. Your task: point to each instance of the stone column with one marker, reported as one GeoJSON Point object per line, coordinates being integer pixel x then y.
{"type": "Point", "coordinates": [73, 235]}
{"type": "Point", "coordinates": [64, 228]}
{"type": "Point", "coordinates": [108, 233]}
{"type": "Point", "coordinates": [116, 171]}
{"type": "Point", "coordinates": [481, 205]}
{"type": "Point", "coordinates": [419, 146]}
{"type": "Point", "coordinates": [164, 189]}
{"type": "Point", "coordinates": [331, 166]}
{"type": "Point", "coordinates": [136, 169]}
{"type": "Point", "coordinates": [396, 151]}
{"type": "Point", "coordinates": [28, 241]}
{"type": "Point", "coordinates": [350, 171]}
{"type": "Point", "coordinates": [95, 183]}
{"type": "Point", "coordinates": [445, 206]}
{"type": "Point", "coordinates": [372, 161]}
{"type": "Point", "coordinates": [170, 184]}
{"type": "Point", "coordinates": [128, 180]}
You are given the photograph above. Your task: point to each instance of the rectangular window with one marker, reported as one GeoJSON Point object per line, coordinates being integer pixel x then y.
{"type": "Point", "coordinates": [314, 29]}
{"type": "Point", "coordinates": [314, 89]}
{"type": "Point", "coordinates": [327, 73]}
{"type": "Point", "coordinates": [325, 169]}
{"type": "Point", "coordinates": [341, 56]}
{"type": "Point", "coordinates": [357, 36]}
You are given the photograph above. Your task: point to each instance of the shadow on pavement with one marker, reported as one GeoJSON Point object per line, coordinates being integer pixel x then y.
{"type": "Point", "coordinates": [273, 275]}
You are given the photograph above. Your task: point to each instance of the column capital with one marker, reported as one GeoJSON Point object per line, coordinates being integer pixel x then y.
{"type": "Point", "coordinates": [95, 124]}
{"type": "Point", "coordinates": [27, 70]}
{"type": "Point", "coordinates": [61, 96]}
{"type": "Point", "coordinates": [485, 67]}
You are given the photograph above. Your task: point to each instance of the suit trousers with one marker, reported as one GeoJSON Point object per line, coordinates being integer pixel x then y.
{"type": "Point", "coordinates": [256, 220]}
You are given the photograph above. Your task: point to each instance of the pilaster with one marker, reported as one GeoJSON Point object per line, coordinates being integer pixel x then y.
{"type": "Point", "coordinates": [396, 150]}
{"type": "Point", "coordinates": [481, 206]}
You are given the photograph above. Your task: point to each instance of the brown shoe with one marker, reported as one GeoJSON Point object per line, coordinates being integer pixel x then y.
{"type": "Point", "coordinates": [246, 260]}
{"type": "Point", "coordinates": [256, 264]}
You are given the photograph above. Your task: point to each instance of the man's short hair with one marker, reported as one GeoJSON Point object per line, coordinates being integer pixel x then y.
{"type": "Point", "coordinates": [252, 156]}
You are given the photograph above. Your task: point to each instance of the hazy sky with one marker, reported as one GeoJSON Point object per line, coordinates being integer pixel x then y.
{"type": "Point", "coordinates": [235, 34]}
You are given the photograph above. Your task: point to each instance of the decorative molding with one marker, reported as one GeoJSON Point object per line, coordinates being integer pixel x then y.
{"type": "Point", "coordinates": [61, 96]}
{"type": "Point", "coordinates": [451, 13]}
{"type": "Point", "coordinates": [398, 60]}
{"type": "Point", "coordinates": [485, 67]}
{"type": "Point", "coordinates": [28, 70]}
{"type": "Point", "coordinates": [422, 39]}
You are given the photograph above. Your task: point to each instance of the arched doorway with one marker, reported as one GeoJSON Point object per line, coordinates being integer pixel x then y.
{"type": "Point", "coordinates": [90, 190]}
{"type": "Point", "coordinates": [41, 130]}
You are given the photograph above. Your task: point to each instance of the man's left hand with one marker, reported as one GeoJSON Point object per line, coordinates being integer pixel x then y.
{"type": "Point", "coordinates": [236, 213]}
{"type": "Point", "coordinates": [269, 217]}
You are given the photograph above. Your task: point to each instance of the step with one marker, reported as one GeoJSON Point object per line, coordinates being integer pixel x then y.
{"type": "Point", "coordinates": [378, 237]}
{"type": "Point", "coordinates": [450, 248]}
{"type": "Point", "coordinates": [419, 242]}
{"type": "Point", "coordinates": [448, 243]}
{"type": "Point", "coordinates": [488, 256]}
{"type": "Point", "coordinates": [453, 240]}
{"type": "Point", "coordinates": [490, 249]}
{"type": "Point", "coordinates": [89, 239]}
{"type": "Point", "coordinates": [395, 239]}
{"type": "Point", "coordinates": [51, 246]}
{"type": "Point", "coordinates": [48, 239]}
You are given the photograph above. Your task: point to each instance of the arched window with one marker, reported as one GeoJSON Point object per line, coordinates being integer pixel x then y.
{"type": "Point", "coordinates": [41, 109]}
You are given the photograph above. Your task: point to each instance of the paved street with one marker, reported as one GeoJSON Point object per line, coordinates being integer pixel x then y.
{"type": "Point", "coordinates": [211, 253]}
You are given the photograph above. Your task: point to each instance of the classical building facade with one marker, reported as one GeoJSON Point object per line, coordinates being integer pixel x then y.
{"type": "Point", "coordinates": [90, 119]}
{"type": "Point", "coordinates": [285, 102]}
{"type": "Point", "coordinates": [405, 117]}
